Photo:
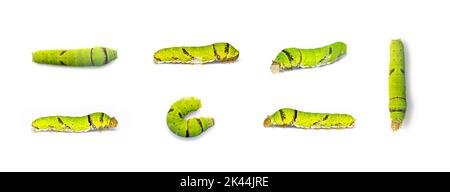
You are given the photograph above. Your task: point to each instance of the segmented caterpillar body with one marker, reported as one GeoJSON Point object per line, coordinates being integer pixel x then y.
{"type": "Point", "coordinates": [288, 117]}
{"type": "Point", "coordinates": [295, 58]}
{"type": "Point", "coordinates": [96, 56]}
{"type": "Point", "coordinates": [191, 127]}
{"type": "Point", "coordinates": [397, 87]}
{"type": "Point", "coordinates": [91, 122]}
{"type": "Point", "coordinates": [217, 52]}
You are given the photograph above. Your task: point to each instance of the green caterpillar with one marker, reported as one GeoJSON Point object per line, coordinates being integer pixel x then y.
{"type": "Point", "coordinates": [91, 122]}
{"type": "Point", "coordinates": [190, 127]}
{"type": "Point", "coordinates": [287, 117]}
{"type": "Point", "coordinates": [96, 56]}
{"type": "Point", "coordinates": [294, 58]}
{"type": "Point", "coordinates": [217, 52]}
{"type": "Point", "coordinates": [397, 88]}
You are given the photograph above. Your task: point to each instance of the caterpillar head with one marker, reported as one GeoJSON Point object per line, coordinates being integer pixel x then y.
{"type": "Point", "coordinates": [268, 122]}
{"type": "Point", "coordinates": [395, 125]}
{"type": "Point", "coordinates": [275, 67]}
{"type": "Point", "coordinates": [113, 123]}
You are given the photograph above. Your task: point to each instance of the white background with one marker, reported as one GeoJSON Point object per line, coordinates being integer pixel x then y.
{"type": "Point", "coordinates": [239, 96]}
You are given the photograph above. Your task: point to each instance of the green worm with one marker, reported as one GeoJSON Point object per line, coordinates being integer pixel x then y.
{"type": "Point", "coordinates": [91, 122]}
{"type": "Point", "coordinates": [96, 56]}
{"type": "Point", "coordinates": [191, 127]}
{"type": "Point", "coordinates": [288, 117]}
{"type": "Point", "coordinates": [397, 87]}
{"type": "Point", "coordinates": [217, 52]}
{"type": "Point", "coordinates": [295, 58]}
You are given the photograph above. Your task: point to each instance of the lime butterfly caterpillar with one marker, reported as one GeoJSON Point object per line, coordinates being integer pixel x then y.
{"type": "Point", "coordinates": [96, 56]}
{"type": "Point", "coordinates": [288, 117]}
{"type": "Point", "coordinates": [218, 52]}
{"type": "Point", "coordinates": [397, 84]}
{"type": "Point", "coordinates": [296, 58]}
{"type": "Point", "coordinates": [187, 127]}
{"type": "Point", "coordinates": [93, 122]}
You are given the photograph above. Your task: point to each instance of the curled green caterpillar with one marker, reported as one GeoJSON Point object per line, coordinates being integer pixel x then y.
{"type": "Point", "coordinates": [295, 58]}
{"type": "Point", "coordinates": [96, 56]}
{"type": "Point", "coordinates": [217, 52]}
{"type": "Point", "coordinates": [92, 122]}
{"type": "Point", "coordinates": [397, 87]}
{"type": "Point", "coordinates": [287, 117]}
{"type": "Point", "coordinates": [191, 127]}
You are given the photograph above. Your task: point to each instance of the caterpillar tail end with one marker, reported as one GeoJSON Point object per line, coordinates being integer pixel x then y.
{"type": "Point", "coordinates": [34, 126]}
{"type": "Point", "coordinates": [396, 125]}
{"type": "Point", "coordinates": [34, 129]}
{"type": "Point", "coordinates": [113, 123]}
{"type": "Point", "coordinates": [231, 59]}
{"type": "Point", "coordinates": [35, 57]}
{"type": "Point", "coordinates": [267, 122]}
{"type": "Point", "coordinates": [275, 67]}
{"type": "Point", "coordinates": [156, 60]}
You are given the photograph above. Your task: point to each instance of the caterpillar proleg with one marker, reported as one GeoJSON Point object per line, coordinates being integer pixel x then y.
{"type": "Point", "coordinates": [217, 52]}
{"type": "Point", "coordinates": [91, 122]}
{"type": "Point", "coordinates": [96, 56]}
{"type": "Point", "coordinates": [295, 58]}
{"type": "Point", "coordinates": [288, 117]}
{"type": "Point", "coordinates": [397, 87]}
{"type": "Point", "coordinates": [191, 127]}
